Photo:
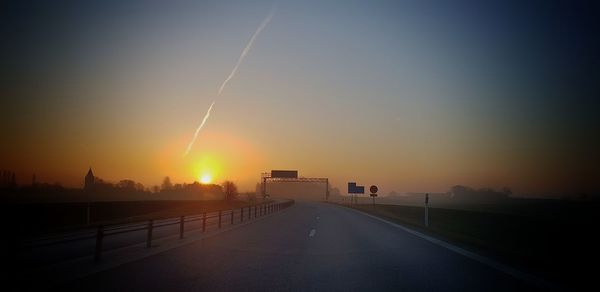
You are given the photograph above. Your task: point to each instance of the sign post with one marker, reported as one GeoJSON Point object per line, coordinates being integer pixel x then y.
{"type": "Point", "coordinates": [353, 189]}
{"type": "Point", "coordinates": [373, 190]}
{"type": "Point", "coordinates": [426, 210]}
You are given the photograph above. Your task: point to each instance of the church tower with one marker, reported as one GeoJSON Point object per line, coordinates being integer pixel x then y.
{"type": "Point", "coordinates": [89, 180]}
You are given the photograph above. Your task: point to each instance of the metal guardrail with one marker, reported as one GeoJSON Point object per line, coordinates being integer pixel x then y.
{"type": "Point", "coordinates": [259, 210]}
{"type": "Point", "coordinates": [238, 215]}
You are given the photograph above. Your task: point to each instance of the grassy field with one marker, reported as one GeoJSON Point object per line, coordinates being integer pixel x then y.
{"type": "Point", "coordinates": [554, 245]}
{"type": "Point", "coordinates": [30, 219]}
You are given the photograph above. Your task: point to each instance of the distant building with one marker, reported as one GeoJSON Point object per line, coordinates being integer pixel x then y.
{"type": "Point", "coordinates": [89, 180]}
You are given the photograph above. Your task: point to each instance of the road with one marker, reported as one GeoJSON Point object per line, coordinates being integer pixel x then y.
{"type": "Point", "coordinates": [308, 247]}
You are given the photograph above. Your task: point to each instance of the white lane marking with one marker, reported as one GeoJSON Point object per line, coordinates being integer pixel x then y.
{"type": "Point", "coordinates": [312, 233]}
{"type": "Point", "coordinates": [486, 261]}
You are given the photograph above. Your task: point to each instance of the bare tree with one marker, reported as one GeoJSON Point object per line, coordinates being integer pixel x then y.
{"type": "Point", "coordinates": [230, 190]}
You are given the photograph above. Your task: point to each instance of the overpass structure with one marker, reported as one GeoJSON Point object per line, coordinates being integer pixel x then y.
{"type": "Point", "coordinates": [283, 176]}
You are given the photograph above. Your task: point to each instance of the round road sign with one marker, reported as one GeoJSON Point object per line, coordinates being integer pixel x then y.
{"type": "Point", "coordinates": [373, 189]}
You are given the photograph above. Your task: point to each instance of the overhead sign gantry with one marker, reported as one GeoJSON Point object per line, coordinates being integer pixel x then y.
{"type": "Point", "coordinates": [290, 176]}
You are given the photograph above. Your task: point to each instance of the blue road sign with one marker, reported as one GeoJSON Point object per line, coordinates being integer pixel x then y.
{"type": "Point", "coordinates": [354, 189]}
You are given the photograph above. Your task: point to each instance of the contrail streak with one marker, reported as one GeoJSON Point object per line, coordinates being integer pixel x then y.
{"type": "Point", "coordinates": [198, 129]}
{"type": "Point", "coordinates": [263, 24]}
{"type": "Point", "coordinates": [245, 51]}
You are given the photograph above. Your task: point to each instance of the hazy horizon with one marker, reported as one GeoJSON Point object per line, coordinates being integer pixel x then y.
{"type": "Point", "coordinates": [406, 95]}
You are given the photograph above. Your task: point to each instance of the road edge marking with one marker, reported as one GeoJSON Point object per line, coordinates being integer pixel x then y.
{"type": "Point", "coordinates": [469, 254]}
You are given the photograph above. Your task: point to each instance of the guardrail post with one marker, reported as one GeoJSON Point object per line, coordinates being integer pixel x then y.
{"type": "Point", "coordinates": [426, 210]}
{"type": "Point", "coordinates": [181, 221]}
{"type": "Point", "coordinates": [426, 216]}
{"type": "Point", "coordinates": [219, 219]}
{"type": "Point", "coordinates": [204, 222]}
{"type": "Point", "coordinates": [149, 239]}
{"type": "Point", "coordinates": [99, 238]}
{"type": "Point", "coordinates": [232, 211]}
{"type": "Point", "coordinates": [254, 211]}
{"type": "Point", "coordinates": [249, 212]}
{"type": "Point", "coordinates": [242, 214]}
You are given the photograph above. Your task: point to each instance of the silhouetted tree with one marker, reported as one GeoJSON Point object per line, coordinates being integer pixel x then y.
{"type": "Point", "coordinates": [458, 190]}
{"type": "Point", "coordinates": [507, 191]}
{"type": "Point", "coordinates": [126, 184]}
{"type": "Point", "coordinates": [167, 185]}
{"type": "Point", "coordinates": [139, 187]}
{"type": "Point", "coordinates": [230, 190]}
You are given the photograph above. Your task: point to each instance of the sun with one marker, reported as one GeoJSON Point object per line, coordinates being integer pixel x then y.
{"type": "Point", "coordinates": [205, 178]}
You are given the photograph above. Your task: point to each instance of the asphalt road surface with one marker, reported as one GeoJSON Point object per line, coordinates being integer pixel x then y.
{"type": "Point", "coordinates": [308, 247]}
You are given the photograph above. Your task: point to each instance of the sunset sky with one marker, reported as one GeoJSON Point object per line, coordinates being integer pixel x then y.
{"type": "Point", "coordinates": [411, 96]}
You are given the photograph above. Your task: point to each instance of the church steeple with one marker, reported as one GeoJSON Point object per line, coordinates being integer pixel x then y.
{"type": "Point", "coordinates": [89, 180]}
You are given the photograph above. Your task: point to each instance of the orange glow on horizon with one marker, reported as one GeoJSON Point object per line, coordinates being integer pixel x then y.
{"type": "Point", "coordinates": [216, 155]}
